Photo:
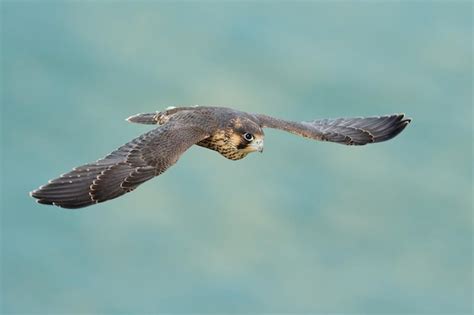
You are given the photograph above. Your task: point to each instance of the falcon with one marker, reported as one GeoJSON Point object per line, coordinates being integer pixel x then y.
{"type": "Point", "coordinates": [232, 133]}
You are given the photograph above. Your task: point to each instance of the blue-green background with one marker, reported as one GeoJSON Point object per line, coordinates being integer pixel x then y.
{"type": "Point", "coordinates": [305, 227]}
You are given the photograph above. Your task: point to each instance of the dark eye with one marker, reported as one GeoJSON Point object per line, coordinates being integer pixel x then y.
{"type": "Point", "coordinates": [248, 136]}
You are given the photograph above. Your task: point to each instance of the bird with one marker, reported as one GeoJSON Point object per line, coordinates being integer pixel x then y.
{"type": "Point", "coordinates": [232, 133]}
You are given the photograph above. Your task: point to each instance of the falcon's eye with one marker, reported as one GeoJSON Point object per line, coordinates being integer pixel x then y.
{"type": "Point", "coordinates": [248, 136]}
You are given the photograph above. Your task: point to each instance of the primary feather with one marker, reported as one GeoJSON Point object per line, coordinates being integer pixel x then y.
{"type": "Point", "coordinates": [349, 131]}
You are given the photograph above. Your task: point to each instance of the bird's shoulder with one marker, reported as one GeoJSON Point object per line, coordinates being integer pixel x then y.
{"type": "Point", "coordinates": [205, 116]}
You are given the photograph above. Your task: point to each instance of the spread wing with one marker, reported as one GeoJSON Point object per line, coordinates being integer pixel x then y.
{"type": "Point", "coordinates": [349, 131]}
{"type": "Point", "coordinates": [122, 170]}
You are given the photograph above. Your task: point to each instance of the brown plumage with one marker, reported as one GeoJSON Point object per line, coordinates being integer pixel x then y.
{"type": "Point", "coordinates": [232, 133]}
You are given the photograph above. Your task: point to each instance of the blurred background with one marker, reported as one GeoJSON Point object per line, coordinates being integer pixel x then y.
{"type": "Point", "coordinates": [305, 227]}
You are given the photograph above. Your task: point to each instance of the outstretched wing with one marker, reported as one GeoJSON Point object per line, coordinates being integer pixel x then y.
{"type": "Point", "coordinates": [349, 131]}
{"type": "Point", "coordinates": [122, 170]}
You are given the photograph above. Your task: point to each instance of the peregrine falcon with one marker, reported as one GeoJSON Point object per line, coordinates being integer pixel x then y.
{"type": "Point", "coordinates": [232, 133]}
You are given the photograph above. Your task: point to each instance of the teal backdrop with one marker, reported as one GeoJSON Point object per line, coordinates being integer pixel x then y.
{"type": "Point", "coordinates": [306, 227]}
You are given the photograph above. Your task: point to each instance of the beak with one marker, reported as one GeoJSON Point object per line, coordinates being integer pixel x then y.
{"type": "Point", "coordinates": [258, 145]}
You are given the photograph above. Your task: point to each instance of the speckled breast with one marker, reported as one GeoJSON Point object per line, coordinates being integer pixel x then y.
{"type": "Point", "coordinates": [220, 142]}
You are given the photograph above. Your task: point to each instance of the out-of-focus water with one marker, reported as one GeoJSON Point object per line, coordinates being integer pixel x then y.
{"type": "Point", "coordinates": [305, 227]}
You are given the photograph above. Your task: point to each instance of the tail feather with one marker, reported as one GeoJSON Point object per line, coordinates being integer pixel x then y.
{"type": "Point", "coordinates": [145, 118]}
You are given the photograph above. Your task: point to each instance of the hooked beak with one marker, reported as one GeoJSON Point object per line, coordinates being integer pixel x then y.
{"type": "Point", "coordinates": [258, 145]}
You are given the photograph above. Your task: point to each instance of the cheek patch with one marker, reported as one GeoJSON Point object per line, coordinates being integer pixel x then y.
{"type": "Point", "coordinates": [242, 145]}
{"type": "Point", "coordinates": [237, 141]}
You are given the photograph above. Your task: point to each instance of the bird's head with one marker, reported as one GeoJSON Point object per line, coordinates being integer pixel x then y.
{"type": "Point", "coordinates": [244, 136]}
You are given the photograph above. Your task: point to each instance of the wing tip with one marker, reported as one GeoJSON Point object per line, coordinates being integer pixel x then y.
{"type": "Point", "coordinates": [404, 120]}
{"type": "Point", "coordinates": [403, 117]}
{"type": "Point", "coordinates": [46, 200]}
{"type": "Point", "coordinates": [35, 193]}
{"type": "Point", "coordinates": [39, 198]}
{"type": "Point", "coordinates": [395, 128]}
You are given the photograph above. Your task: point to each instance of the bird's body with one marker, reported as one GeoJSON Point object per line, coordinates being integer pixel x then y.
{"type": "Point", "coordinates": [220, 123]}
{"type": "Point", "coordinates": [232, 133]}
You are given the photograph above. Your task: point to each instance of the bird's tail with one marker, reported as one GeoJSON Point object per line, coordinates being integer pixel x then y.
{"type": "Point", "coordinates": [144, 118]}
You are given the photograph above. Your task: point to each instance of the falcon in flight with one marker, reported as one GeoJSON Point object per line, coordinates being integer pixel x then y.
{"type": "Point", "coordinates": [232, 133]}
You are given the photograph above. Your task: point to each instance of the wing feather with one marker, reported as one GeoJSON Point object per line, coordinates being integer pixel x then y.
{"type": "Point", "coordinates": [122, 170]}
{"type": "Point", "coordinates": [349, 131]}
